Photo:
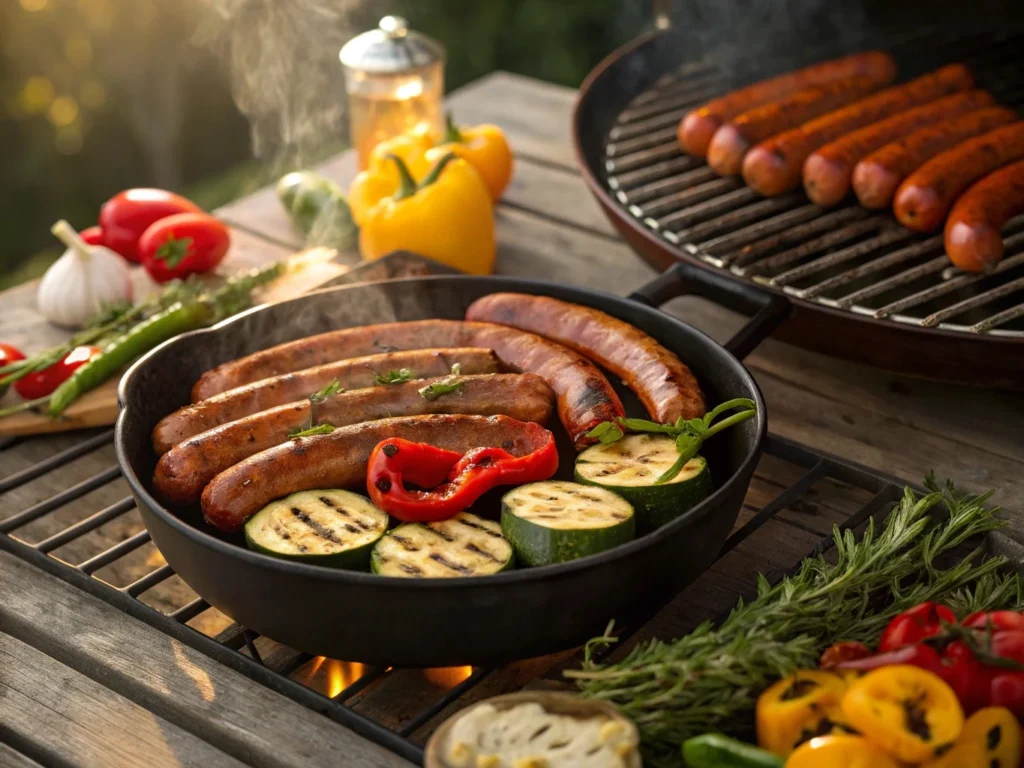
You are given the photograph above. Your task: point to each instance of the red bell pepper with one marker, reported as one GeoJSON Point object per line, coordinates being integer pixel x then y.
{"type": "Point", "coordinates": [454, 481]}
{"type": "Point", "coordinates": [914, 625]}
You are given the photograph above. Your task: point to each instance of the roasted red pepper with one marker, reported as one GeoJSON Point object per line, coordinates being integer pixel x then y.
{"type": "Point", "coordinates": [454, 480]}
{"type": "Point", "coordinates": [914, 625]}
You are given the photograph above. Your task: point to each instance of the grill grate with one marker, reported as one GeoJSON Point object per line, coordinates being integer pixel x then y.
{"type": "Point", "coordinates": [847, 257]}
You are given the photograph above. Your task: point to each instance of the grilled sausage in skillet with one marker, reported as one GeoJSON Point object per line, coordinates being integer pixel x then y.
{"type": "Point", "coordinates": [731, 142]}
{"type": "Point", "coordinates": [828, 171]}
{"type": "Point", "coordinates": [339, 460]}
{"type": "Point", "coordinates": [877, 176]}
{"type": "Point", "coordinates": [585, 398]}
{"type": "Point", "coordinates": [973, 239]}
{"type": "Point", "coordinates": [663, 383]}
{"type": "Point", "coordinates": [923, 200]}
{"type": "Point", "coordinates": [699, 126]}
{"type": "Point", "coordinates": [356, 373]}
{"type": "Point", "coordinates": [183, 472]}
{"type": "Point", "coordinates": [775, 166]}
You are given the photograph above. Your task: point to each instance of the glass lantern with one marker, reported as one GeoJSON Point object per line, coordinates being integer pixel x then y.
{"type": "Point", "coordinates": [394, 78]}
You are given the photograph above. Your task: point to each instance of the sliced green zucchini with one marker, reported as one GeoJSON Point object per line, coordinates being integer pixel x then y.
{"type": "Point", "coordinates": [330, 527]}
{"type": "Point", "coordinates": [556, 521]}
{"type": "Point", "coordinates": [465, 545]}
{"type": "Point", "coordinates": [630, 466]}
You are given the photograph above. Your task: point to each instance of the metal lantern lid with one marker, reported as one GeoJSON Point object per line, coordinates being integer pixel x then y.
{"type": "Point", "coordinates": [391, 49]}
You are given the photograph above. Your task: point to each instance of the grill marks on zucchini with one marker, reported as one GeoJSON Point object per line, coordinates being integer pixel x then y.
{"type": "Point", "coordinates": [629, 468]}
{"type": "Point", "coordinates": [465, 545]}
{"type": "Point", "coordinates": [327, 527]}
{"type": "Point", "coordinates": [556, 521]}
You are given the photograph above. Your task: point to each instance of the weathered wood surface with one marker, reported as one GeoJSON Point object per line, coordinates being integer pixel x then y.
{"type": "Point", "coordinates": [219, 706]}
{"type": "Point", "coordinates": [69, 718]}
{"type": "Point", "coordinates": [548, 226]}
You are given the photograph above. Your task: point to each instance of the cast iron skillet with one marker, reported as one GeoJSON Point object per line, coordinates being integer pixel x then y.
{"type": "Point", "coordinates": [430, 622]}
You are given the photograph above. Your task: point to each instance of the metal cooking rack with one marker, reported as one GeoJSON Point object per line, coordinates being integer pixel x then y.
{"type": "Point", "coordinates": [236, 646]}
{"type": "Point", "coordinates": [845, 257]}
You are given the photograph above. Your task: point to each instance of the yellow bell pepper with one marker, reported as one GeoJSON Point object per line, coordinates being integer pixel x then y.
{"type": "Point", "coordinates": [909, 712]}
{"type": "Point", "coordinates": [798, 708]}
{"type": "Point", "coordinates": [990, 739]}
{"type": "Point", "coordinates": [845, 751]}
{"type": "Point", "coordinates": [485, 148]}
{"type": "Point", "coordinates": [447, 216]}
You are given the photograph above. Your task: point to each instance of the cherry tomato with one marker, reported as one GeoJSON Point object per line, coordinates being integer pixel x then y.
{"type": "Point", "coordinates": [914, 625]}
{"type": "Point", "coordinates": [1009, 644]}
{"type": "Point", "coordinates": [995, 619]}
{"type": "Point", "coordinates": [42, 383]}
{"type": "Point", "coordinates": [184, 244]}
{"type": "Point", "coordinates": [92, 235]}
{"type": "Point", "coordinates": [968, 678]}
{"type": "Point", "coordinates": [1007, 690]}
{"type": "Point", "coordinates": [8, 355]}
{"type": "Point", "coordinates": [837, 653]}
{"type": "Point", "coordinates": [125, 216]}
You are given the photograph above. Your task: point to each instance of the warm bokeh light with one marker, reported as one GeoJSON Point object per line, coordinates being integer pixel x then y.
{"type": "Point", "coordinates": [63, 111]}
{"type": "Point", "coordinates": [36, 95]}
{"type": "Point", "coordinates": [33, 5]}
{"type": "Point", "coordinates": [69, 140]}
{"type": "Point", "coordinates": [78, 50]}
{"type": "Point", "coordinates": [93, 94]}
{"type": "Point", "coordinates": [447, 677]}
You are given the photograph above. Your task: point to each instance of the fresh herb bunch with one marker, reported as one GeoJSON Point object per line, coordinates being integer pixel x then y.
{"type": "Point", "coordinates": [689, 434]}
{"type": "Point", "coordinates": [709, 680]}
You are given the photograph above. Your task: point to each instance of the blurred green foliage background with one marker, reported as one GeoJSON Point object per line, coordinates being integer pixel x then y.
{"type": "Point", "coordinates": [100, 95]}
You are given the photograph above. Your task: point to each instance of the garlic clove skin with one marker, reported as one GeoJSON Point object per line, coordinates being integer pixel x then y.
{"type": "Point", "coordinates": [82, 282]}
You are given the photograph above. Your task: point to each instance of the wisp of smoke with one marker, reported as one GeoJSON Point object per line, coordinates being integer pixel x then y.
{"type": "Point", "coordinates": [282, 58]}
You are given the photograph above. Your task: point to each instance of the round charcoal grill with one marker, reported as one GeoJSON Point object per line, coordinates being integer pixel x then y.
{"type": "Point", "coordinates": [860, 285]}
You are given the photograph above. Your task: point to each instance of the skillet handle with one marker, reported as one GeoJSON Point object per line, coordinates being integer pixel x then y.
{"type": "Point", "coordinates": [767, 310]}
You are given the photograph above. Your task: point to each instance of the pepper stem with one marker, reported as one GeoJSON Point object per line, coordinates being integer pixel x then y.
{"type": "Point", "coordinates": [67, 235]}
{"type": "Point", "coordinates": [453, 133]}
{"type": "Point", "coordinates": [406, 183]}
{"type": "Point", "coordinates": [431, 177]}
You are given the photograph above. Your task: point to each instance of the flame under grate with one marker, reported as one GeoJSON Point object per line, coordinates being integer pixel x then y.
{"type": "Point", "coordinates": [844, 257]}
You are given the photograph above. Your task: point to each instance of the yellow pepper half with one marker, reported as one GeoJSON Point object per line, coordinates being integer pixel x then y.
{"type": "Point", "coordinates": [798, 708]}
{"type": "Point", "coordinates": [846, 751]}
{"type": "Point", "coordinates": [990, 739]}
{"type": "Point", "coordinates": [909, 712]}
{"type": "Point", "coordinates": [447, 216]}
{"type": "Point", "coordinates": [485, 148]}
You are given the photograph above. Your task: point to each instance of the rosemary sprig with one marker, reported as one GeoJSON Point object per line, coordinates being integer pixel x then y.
{"type": "Point", "coordinates": [395, 377]}
{"type": "Point", "coordinates": [689, 434]}
{"type": "Point", "coordinates": [312, 427]}
{"type": "Point", "coordinates": [709, 680]}
{"type": "Point", "coordinates": [445, 386]}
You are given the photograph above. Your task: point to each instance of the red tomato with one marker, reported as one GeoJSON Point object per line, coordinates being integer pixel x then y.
{"type": "Point", "coordinates": [1007, 690]}
{"type": "Point", "coordinates": [8, 355]}
{"type": "Point", "coordinates": [966, 676]}
{"type": "Point", "coordinates": [997, 619]}
{"type": "Point", "coordinates": [914, 625]}
{"type": "Point", "coordinates": [182, 245]}
{"type": "Point", "coordinates": [92, 235]}
{"type": "Point", "coordinates": [42, 383]}
{"type": "Point", "coordinates": [1009, 644]}
{"type": "Point", "coordinates": [125, 216]}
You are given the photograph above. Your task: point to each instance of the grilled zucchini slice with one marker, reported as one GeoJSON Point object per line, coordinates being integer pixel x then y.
{"type": "Point", "coordinates": [329, 527]}
{"type": "Point", "coordinates": [555, 521]}
{"type": "Point", "coordinates": [629, 468]}
{"type": "Point", "coordinates": [465, 545]}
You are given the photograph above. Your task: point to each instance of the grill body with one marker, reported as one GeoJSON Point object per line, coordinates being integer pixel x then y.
{"type": "Point", "coordinates": [862, 287]}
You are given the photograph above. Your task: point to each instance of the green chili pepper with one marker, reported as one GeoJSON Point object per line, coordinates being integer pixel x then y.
{"type": "Point", "coordinates": [143, 337]}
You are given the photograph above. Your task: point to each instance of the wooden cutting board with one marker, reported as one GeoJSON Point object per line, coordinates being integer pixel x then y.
{"type": "Point", "coordinates": [307, 271]}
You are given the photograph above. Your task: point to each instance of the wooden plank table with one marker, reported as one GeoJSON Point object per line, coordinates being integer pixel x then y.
{"type": "Point", "coordinates": [82, 683]}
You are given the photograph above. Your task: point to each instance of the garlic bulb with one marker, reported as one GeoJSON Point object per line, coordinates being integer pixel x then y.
{"type": "Point", "coordinates": [82, 282]}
